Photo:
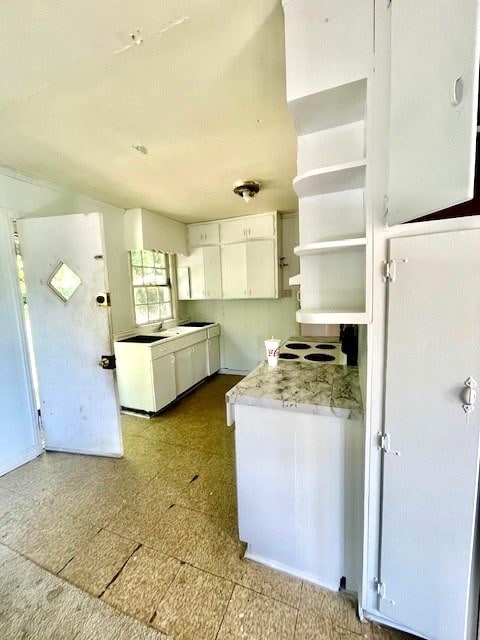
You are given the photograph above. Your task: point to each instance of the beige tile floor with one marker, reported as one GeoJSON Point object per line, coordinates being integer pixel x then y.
{"type": "Point", "coordinates": [155, 535]}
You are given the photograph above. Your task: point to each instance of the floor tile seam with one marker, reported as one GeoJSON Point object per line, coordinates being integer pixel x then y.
{"type": "Point", "coordinates": [89, 539]}
{"type": "Point", "coordinates": [154, 614]}
{"type": "Point", "coordinates": [225, 612]}
{"type": "Point", "coordinates": [270, 597]}
{"type": "Point", "coordinates": [119, 571]}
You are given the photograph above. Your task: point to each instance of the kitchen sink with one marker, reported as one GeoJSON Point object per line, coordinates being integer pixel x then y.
{"type": "Point", "coordinates": [143, 339]}
{"type": "Point", "coordinates": [197, 324]}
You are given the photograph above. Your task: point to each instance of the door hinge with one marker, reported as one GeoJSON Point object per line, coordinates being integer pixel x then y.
{"type": "Point", "coordinates": [381, 589]}
{"type": "Point", "coordinates": [384, 444]}
{"type": "Point", "coordinates": [108, 362]}
{"type": "Point", "coordinates": [389, 271]}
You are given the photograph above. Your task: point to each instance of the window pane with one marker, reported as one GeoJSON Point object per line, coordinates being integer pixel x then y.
{"type": "Point", "coordinates": [166, 310]}
{"type": "Point", "coordinates": [140, 295]}
{"type": "Point", "coordinates": [136, 258]}
{"type": "Point", "coordinates": [64, 282]}
{"type": "Point", "coordinates": [148, 258]}
{"type": "Point", "coordinates": [141, 314]}
{"type": "Point", "coordinates": [160, 259]}
{"type": "Point", "coordinates": [164, 294]}
{"type": "Point", "coordinates": [161, 276]}
{"type": "Point", "coordinates": [149, 276]}
{"type": "Point", "coordinates": [154, 312]}
{"type": "Point", "coordinates": [137, 276]}
{"type": "Point", "coordinates": [152, 295]}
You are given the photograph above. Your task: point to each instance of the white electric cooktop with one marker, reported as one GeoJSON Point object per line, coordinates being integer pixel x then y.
{"type": "Point", "coordinates": [321, 351]}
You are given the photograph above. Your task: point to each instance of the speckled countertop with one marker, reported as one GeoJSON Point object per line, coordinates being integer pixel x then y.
{"type": "Point", "coordinates": [320, 389]}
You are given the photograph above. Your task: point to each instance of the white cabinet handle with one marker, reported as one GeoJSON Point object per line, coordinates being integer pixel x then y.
{"type": "Point", "coordinates": [469, 395]}
{"type": "Point", "coordinates": [172, 359]}
{"type": "Point", "coordinates": [458, 87]}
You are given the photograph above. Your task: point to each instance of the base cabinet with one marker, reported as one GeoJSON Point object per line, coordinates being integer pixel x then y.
{"type": "Point", "coordinates": [297, 513]}
{"type": "Point", "coordinates": [163, 378]}
{"type": "Point", "coordinates": [190, 366]}
{"type": "Point", "coordinates": [213, 355]}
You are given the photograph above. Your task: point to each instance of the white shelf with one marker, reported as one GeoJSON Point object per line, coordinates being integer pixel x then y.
{"type": "Point", "coordinates": [332, 316]}
{"type": "Point", "coordinates": [330, 108]}
{"type": "Point", "coordinates": [340, 177]}
{"type": "Point", "coordinates": [295, 280]}
{"type": "Point", "coordinates": [331, 245]}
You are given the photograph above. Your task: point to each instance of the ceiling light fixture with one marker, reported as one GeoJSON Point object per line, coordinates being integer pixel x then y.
{"type": "Point", "coordinates": [246, 189]}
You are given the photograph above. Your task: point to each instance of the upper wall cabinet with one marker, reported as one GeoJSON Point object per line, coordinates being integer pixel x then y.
{"type": "Point", "coordinates": [250, 228]}
{"type": "Point", "coordinates": [433, 108]}
{"type": "Point", "coordinates": [201, 235]}
{"type": "Point", "coordinates": [327, 44]}
{"type": "Point", "coordinates": [148, 230]}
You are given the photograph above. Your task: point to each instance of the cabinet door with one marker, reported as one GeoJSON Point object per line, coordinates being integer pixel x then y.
{"type": "Point", "coordinates": [433, 111]}
{"type": "Point", "coordinates": [197, 274]}
{"type": "Point", "coordinates": [198, 359]}
{"type": "Point", "coordinates": [183, 277]}
{"type": "Point", "coordinates": [328, 43]}
{"type": "Point", "coordinates": [234, 270]}
{"type": "Point", "coordinates": [200, 235]}
{"type": "Point", "coordinates": [163, 372]}
{"type": "Point", "coordinates": [183, 370]}
{"type": "Point", "coordinates": [233, 230]}
{"type": "Point", "coordinates": [261, 227]}
{"type": "Point", "coordinates": [212, 272]}
{"type": "Point", "coordinates": [430, 491]}
{"type": "Point", "coordinates": [213, 352]}
{"type": "Point", "coordinates": [261, 269]}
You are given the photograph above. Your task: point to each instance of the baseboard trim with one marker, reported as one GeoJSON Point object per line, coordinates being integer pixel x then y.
{"type": "Point", "coordinates": [293, 572]}
{"type": "Point", "coordinates": [234, 372]}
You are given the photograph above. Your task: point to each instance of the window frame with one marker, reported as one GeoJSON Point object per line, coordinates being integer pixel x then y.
{"type": "Point", "coordinates": [152, 265]}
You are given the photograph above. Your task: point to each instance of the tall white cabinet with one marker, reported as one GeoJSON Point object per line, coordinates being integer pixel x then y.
{"type": "Point", "coordinates": [329, 49]}
{"type": "Point", "coordinates": [386, 124]}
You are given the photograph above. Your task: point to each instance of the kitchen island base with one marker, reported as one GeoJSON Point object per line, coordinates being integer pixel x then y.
{"type": "Point", "coordinates": [299, 492]}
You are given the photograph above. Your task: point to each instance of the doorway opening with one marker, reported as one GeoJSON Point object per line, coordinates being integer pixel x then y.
{"type": "Point", "coordinates": [28, 330]}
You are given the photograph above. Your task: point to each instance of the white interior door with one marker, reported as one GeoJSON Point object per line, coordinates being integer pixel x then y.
{"type": "Point", "coordinates": [19, 438]}
{"type": "Point", "coordinates": [80, 411]}
{"type": "Point", "coordinates": [433, 115]}
{"type": "Point", "coordinates": [430, 490]}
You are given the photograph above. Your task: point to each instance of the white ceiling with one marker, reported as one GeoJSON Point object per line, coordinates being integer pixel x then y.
{"type": "Point", "coordinates": [204, 93]}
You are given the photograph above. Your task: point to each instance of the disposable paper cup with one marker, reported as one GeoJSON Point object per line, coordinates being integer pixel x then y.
{"type": "Point", "coordinates": [272, 349]}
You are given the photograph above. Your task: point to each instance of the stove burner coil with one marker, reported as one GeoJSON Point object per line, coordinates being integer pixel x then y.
{"type": "Point", "coordinates": [297, 345]}
{"type": "Point", "coordinates": [289, 356]}
{"type": "Point", "coordinates": [319, 357]}
{"type": "Point", "coordinates": [324, 346]}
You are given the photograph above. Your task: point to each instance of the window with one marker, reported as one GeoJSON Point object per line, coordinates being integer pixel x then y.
{"type": "Point", "coordinates": [152, 297]}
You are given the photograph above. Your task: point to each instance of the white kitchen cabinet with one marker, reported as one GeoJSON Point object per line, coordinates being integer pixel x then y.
{"type": "Point", "coordinates": [433, 106]}
{"type": "Point", "coordinates": [328, 43]}
{"type": "Point", "coordinates": [213, 355]}
{"type": "Point", "coordinates": [200, 235]}
{"type": "Point", "coordinates": [250, 270]}
{"type": "Point", "coordinates": [429, 492]}
{"type": "Point", "coordinates": [163, 377]}
{"type": "Point", "coordinates": [190, 366]}
{"type": "Point", "coordinates": [199, 274]}
{"type": "Point", "coordinates": [248, 228]}
{"type": "Point", "coordinates": [262, 273]}
{"type": "Point", "coordinates": [234, 270]}
{"type": "Point", "coordinates": [330, 63]}
{"type": "Point", "coordinates": [295, 513]}
{"type": "Point", "coordinates": [183, 370]}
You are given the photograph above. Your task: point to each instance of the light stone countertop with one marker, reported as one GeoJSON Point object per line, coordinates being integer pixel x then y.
{"type": "Point", "coordinates": [319, 389]}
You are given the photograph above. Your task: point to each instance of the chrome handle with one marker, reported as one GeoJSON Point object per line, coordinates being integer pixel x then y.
{"type": "Point", "coordinates": [469, 395]}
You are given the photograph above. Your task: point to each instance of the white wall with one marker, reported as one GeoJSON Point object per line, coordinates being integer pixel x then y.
{"type": "Point", "coordinates": [245, 325]}
{"type": "Point", "coordinates": [23, 196]}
